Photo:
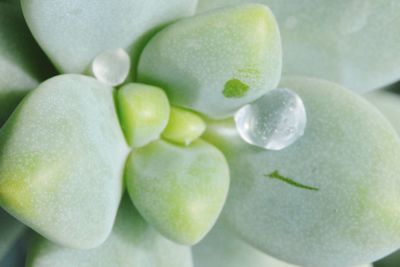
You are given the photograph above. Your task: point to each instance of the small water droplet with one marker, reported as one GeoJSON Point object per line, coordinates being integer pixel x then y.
{"type": "Point", "coordinates": [112, 66]}
{"type": "Point", "coordinates": [274, 121]}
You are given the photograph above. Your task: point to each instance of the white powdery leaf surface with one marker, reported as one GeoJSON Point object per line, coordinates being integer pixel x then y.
{"type": "Point", "coordinates": [221, 248]}
{"type": "Point", "coordinates": [73, 33]}
{"type": "Point", "coordinates": [216, 62]}
{"type": "Point", "coordinates": [180, 190]}
{"type": "Point", "coordinates": [331, 198]}
{"type": "Point", "coordinates": [62, 156]}
{"type": "Point", "coordinates": [132, 243]}
{"type": "Point", "coordinates": [354, 43]}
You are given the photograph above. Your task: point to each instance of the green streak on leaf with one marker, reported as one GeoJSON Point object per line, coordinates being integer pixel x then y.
{"type": "Point", "coordinates": [234, 88]}
{"type": "Point", "coordinates": [276, 175]}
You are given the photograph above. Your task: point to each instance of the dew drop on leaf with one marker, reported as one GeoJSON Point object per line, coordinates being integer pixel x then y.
{"type": "Point", "coordinates": [111, 66]}
{"type": "Point", "coordinates": [274, 121]}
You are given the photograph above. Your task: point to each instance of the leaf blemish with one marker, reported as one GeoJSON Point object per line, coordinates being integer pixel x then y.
{"type": "Point", "coordinates": [276, 175]}
{"type": "Point", "coordinates": [235, 88]}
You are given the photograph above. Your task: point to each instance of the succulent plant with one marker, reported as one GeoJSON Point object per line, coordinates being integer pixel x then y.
{"type": "Point", "coordinates": [221, 248]}
{"type": "Point", "coordinates": [138, 133]}
{"type": "Point", "coordinates": [354, 43]}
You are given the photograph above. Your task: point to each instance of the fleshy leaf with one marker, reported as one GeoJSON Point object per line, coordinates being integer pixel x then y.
{"type": "Point", "coordinates": [22, 64]}
{"type": "Point", "coordinates": [216, 62]}
{"type": "Point", "coordinates": [178, 190]}
{"type": "Point", "coordinates": [183, 126]}
{"type": "Point", "coordinates": [220, 248]}
{"type": "Point", "coordinates": [349, 152]}
{"type": "Point", "coordinates": [74, 32]}
{"type": "Point", "coordinates": [144, 112]}
{"type": "Point", "coordinates": [354, 43]}
{"type": "Point", "coordinates": [61, 161]}
{"type": "Point", "coordinates": [132, 243]}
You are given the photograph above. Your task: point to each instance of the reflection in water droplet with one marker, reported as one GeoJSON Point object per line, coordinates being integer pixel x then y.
{"type": "Point", "coordinates": [274, 121]}
{"type": "Point", "coordinates": [112, 66]}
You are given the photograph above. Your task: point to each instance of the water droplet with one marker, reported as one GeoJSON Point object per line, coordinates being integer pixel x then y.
{"type": "Point", "coordinates": [274, 121]}
{"type": "Point", "coordinates": [112, 66]}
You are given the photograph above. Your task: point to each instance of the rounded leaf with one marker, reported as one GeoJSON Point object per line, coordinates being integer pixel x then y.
{"type": "Point", "coordinates": [183, 126]}
{"type": "Point", "coordinates": [131, 243]}
{"type": "Point", "coordinates": [332, 195]}
{"type": "Point", "coordinates": [354, 43]}
{"type": "Point", "coordinates": [74, 32]}
{"type": "Point", "coordinates": [215, 62]}
{"type": "Point", "coordinates": [220, 248]}
{"type": "Point", "coordinates": [178, 190]}
{"type": "Point", "coordinates": [61, 161]}
{"type": "Point", "coordinates": [143, 111]}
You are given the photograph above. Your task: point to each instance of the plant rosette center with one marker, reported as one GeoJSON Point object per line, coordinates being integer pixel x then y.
{"type": "Point", "coordinates": [129, 154]}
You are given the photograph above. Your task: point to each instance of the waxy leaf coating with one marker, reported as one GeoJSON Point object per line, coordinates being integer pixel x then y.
{"type": "Point", "coordinates": [132, 243]}
{"type": "Point", "coordinates": [143, 112]}
{"type": "Point", "coordinates": [215, 62]}
{"type": "Point", "coordinates": [74, 32]}
{"type": "Point", "coordinates": [221, 248]}
{"type": "Point", "coordinates": [349, 152]}
{"type": "Point", "coordinates": [183, 126]}
{"type": "Point", "coordinates": [61, 161]}
{"type": "Point", "coordinates": [351, 42]}
{"type": "Point", "coordinates": [179, 190]}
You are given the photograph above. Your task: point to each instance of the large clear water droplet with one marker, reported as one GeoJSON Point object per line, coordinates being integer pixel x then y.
{"type": "Point", "coordinates": [112, 66]}
{"type": "Point", "coordinates": [274, 121]}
